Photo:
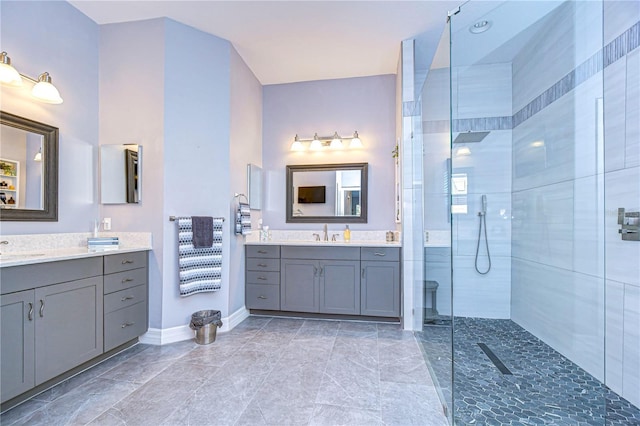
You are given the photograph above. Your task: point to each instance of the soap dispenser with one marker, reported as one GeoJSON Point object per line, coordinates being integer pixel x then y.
{"type": "Point", "coordinates": [347, 234]}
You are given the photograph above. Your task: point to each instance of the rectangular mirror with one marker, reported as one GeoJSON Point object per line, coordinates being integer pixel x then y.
{"type": "Point", "coordinates": [28, 169]}
{"type": "Point", "coordinates": [327, 193]}
{"type": "Point", "coordinates": [120, 174]}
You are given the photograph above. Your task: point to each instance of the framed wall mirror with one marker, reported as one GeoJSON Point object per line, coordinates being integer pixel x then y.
{"type": "Point", "coordinates": [28, 169]}
{"type": "Point", "coordinates": [327, 193]}
{"type": "Point", "coordinates": [121, 174]}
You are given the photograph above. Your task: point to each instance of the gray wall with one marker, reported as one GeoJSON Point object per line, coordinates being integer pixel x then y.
{"type": "Point", "coordinates": [365, 104]}
{"type": "Point", "coordinates": [55, 37]}
{"type": "Point", "coordinates": [245, 147]}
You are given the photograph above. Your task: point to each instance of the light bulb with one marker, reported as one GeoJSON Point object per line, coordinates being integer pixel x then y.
{"type": "Point", "coordinates": [336, 143]}
{"type": "Point", "coordinates": [45, 91]}
{"type": "Point", "coordinates": [297, 145]}
{"type": "Point", "coordinates": [316, 145]}
{"type": "Point", "coordinates": [8, 74]}
{"type": "Point", "coordinates": [355, 142]}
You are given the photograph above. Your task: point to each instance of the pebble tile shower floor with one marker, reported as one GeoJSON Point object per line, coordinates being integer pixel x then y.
{"type": "Point", "coordinates": [266, 371]}
{"type": "Point", "coordinates": [544, 389]}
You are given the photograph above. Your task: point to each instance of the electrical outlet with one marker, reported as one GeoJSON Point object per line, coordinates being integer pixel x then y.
{"type": "Point", "coordinates": [106, 224]}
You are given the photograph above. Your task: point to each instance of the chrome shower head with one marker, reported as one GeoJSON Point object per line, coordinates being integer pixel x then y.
{"type": "Point", "coordinates": [469, 137]}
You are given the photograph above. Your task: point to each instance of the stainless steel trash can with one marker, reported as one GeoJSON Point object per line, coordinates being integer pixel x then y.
{"type": "Point", "coordinates": [205, 324]}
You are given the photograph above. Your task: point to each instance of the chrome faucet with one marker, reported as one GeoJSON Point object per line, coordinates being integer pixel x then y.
{"type": "Point", "coordinates": [4, 242]}
{"type": "Point", "coordinates": [326, 234]}
{"type": "Point", "coordinates": [317, 236]}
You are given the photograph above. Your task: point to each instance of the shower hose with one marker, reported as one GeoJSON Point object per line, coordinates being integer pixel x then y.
{"type": "Point", "coordinates": [483, 221]}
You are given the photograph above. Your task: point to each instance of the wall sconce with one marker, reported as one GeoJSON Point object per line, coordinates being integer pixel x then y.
{"type": "Point", "coordinates": [42, 90]}
{"type": "Point", "coordinates": [38, 156]}
{"type": "Point", "coordinates": [319, 143]}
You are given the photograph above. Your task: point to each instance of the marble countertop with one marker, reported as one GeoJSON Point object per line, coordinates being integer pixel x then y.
{"type": "Point", "coordinates": [42, 256]}
{"type": "Point", "coordinates": [42, 248]}
{"type": "Point", "coordinates": [325, 243]}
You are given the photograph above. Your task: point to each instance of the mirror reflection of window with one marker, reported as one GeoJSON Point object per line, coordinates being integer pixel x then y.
{"type": "Point", "coordinates": [348, 193]}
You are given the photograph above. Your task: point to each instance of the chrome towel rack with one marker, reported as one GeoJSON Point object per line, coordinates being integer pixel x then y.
{"type": "Point", "coordinates": [173, 218]}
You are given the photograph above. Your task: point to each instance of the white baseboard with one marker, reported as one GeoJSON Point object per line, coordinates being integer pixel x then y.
{"type": "Point", "coordinates": [164, 336]}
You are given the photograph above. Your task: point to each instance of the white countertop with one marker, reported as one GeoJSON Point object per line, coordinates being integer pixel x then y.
{"type": "Point", "coordinates": [42, 248]}
{"type": "Point", "coordinates": [325, 243]}
{"type": "Point", "coordinates": [42, 256]}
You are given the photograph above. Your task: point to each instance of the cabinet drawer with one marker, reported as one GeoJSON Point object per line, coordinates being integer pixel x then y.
{"type": "Point", "coordinates": [25, 277]}
{"type": "Point", "coordinates": [255, 277]}
{"type": "Point", "coordinates": [124, 262]}
{"type": "Point", "coordinates": [124, 324]}
{"type": "Point", "coordinates": [270, 252]}
{"type": "Point", "coordinates": [320, 253]}
{"type": "Point", "coordinates": [122, 299]}
{"type": "Point", "coordinates": [390, 254]}
{"type": "Point", "coordinates": [126, 279]}
{"type": "Point", "coordinates": [263, 297]}
{"type": "Point", "coordinates": [263, 264]}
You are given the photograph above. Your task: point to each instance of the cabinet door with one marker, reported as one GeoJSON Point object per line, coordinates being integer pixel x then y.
{"type": "Point", "coordinates": [17, 365]}
{"type": "Point", "coordinates": [340, 287]}
{"type": "Point", "coordinates": [299, 288]}
{"type": "Point", "coordinates": [68, 326]}
{"type": "Point", "coordinates": [380, 289]}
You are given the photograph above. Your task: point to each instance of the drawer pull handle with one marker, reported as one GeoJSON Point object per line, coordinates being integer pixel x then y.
{"type": "Point", "coordinates": [30, 315]}
{"type": "Point", "coordinates": [262, 278]}
{"type": "Point", "coordinates": [127, 280]}
{"type": "Point", "coordinates": [262, 265]}
{"type": "Point", "coordinates": [41, 308]}
{"type": "Point", "coordinates": [126, 298]}
{"type": "Point", "coordinates": [127, 324]}
{"type": "Point", "coordinates": [262, 297]}
{"type": "Point", "coordinates": [379, 254]}
{"type": "Point", "coordinates": [262, 251]}
{"type": "Point", "coordinates": [126, 262]}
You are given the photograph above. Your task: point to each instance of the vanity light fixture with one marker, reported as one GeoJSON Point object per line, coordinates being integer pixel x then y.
{"type": "Point", "coordinates": [43, 89]}
{"type": "Point", "coordinates": [38, 156]}
{"type": "Point", "coordinates": [319, 143]}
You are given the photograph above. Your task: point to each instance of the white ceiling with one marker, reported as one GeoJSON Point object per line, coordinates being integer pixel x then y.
{"type": "Point", "coordinates": [291, 41]}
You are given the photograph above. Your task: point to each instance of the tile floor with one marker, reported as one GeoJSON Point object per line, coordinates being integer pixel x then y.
{"type": "Point", "coordinates": [545, 387]}
{"type": "Point", "coordinates": [266, 371]}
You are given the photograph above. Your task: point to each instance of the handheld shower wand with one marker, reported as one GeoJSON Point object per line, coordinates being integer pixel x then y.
{"type": "Point", "coordinates": [483, 221]}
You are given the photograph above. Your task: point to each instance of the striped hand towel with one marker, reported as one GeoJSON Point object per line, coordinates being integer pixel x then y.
{"type": "Point", "coordinates": [243, 219]}
{"type": "Point", "coordinates": [200, 268]}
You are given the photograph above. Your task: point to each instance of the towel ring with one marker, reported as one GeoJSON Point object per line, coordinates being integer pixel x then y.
{"type": "Point", "coordinates": [237, 195]}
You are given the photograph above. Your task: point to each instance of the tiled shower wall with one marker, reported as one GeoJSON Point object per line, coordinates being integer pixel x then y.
{"type": "Point", "coordinates": [563, 238]}
{"type": "Point", "coordinates": [481, 101]}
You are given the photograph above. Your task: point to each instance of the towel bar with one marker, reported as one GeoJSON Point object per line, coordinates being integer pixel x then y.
{"type": "Point", "coordinates": [173, 218]}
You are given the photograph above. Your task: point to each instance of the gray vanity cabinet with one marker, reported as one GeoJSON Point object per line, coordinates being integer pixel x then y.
{"type": "Point", "coordinates": [17, 350]}
{"type": "Point", "coordinates": [54, 315]}
{"type": "Point", "coordinates": [339, 287]}
{"type": "Point", "coordinates": [299, 285]}
{"type": "Point", "coordinates": [68, 326]}
{"type": "Point", "coordinates": [380, 292]}
{"type": "Point", "coordinates": [262, 290]}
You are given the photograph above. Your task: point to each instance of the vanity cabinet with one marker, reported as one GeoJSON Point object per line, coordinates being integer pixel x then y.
{"type": "Point", "coordinates": [300, 287]}
{"type": "Point", "coordinates": [320, 279]}
{"type": "Point", "coordinates": [68, 320]}
{"type": "Point", "coordinates": [324, 279]}
{"type": "Point", "coordinates": [380, 294]}
{"type": "Point", "coordinates": [56, 316]}
{"type": "Point", "coordinates": [125, 298]}
{"type": "Point", "coordinates": [262, 290]}
{"type": "Point", "coordinates": [17, 351]}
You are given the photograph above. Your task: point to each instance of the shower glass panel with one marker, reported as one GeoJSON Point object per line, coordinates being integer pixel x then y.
{"type": "Point", "coordinates": [527, 213]}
